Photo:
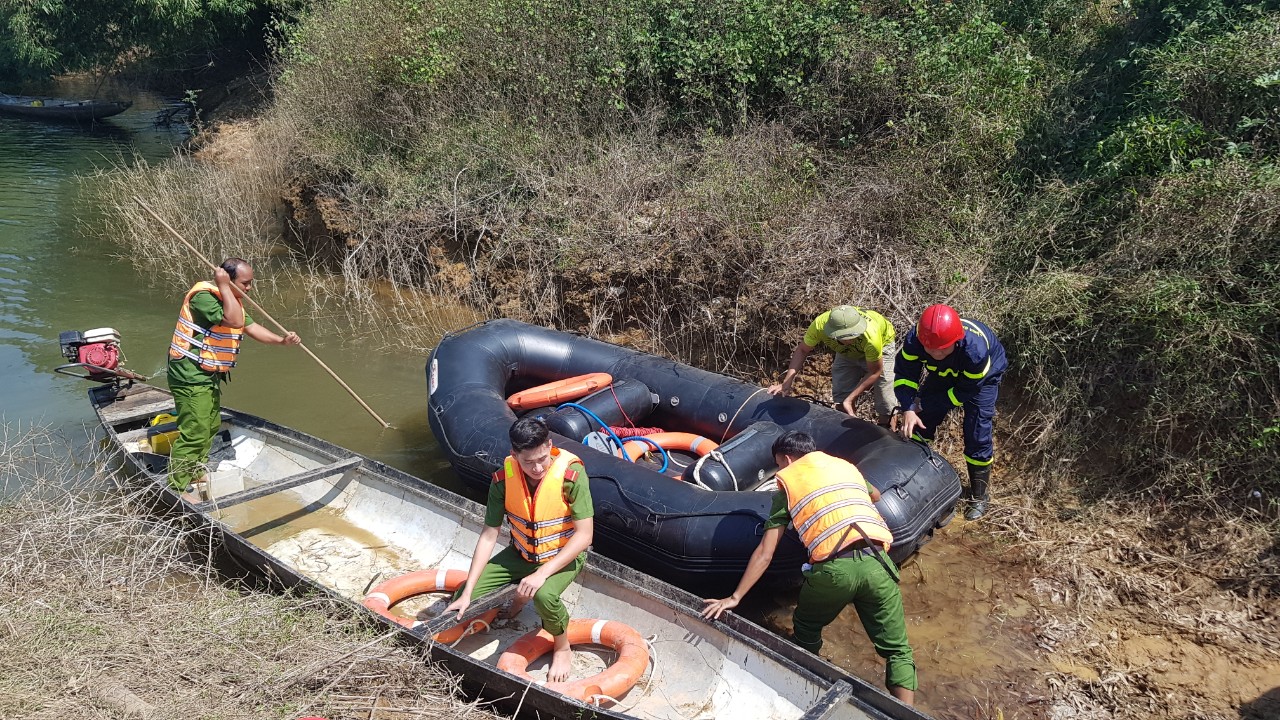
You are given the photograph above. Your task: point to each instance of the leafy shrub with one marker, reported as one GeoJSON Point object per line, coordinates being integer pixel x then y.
{"type": "Point", "coordinates": [1149, 146]}
{"type": "Point", "coordinates": [61, 36]}
{"type": "Point", "coordinates": [1228, 83]}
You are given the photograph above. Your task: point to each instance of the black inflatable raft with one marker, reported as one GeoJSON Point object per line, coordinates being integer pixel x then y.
{"type": "Point", "coordinates": [697, 529]}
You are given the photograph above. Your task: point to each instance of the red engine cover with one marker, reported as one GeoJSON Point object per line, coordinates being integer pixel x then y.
{"type": "Point", "coordinates": [104, 355]}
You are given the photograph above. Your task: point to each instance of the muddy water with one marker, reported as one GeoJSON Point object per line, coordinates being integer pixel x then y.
{"type": "Point", "coordinates": [969, 620]}
{"type": "Point", "coordinates": [968, 615]}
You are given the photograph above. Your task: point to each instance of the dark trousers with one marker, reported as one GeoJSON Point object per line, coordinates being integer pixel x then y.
{"type": "Point", "coordinates": [979, 411]}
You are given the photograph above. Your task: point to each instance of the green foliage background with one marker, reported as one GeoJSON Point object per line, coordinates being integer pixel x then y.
{"type": "Point", "coordinates": [40, 37]}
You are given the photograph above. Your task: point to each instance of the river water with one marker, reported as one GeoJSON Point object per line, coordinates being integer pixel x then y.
{"type": "Point", "coordinates": [969, 617]}
{"type": "Point", "coordinates": [56, 274]}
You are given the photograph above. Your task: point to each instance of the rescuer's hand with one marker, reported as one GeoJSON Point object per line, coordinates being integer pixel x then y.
{"type": "Point", "coordinates": [909, 424]}
{"type": "Point", "coordinates": [460, 605]}
{"type": "Point", "coordinates": [714, 608]}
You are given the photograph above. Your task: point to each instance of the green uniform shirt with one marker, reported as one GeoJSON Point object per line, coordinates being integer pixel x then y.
{"type": "Point", "coordinates": [868, 346]}
{"type": "Point", "coordinates": [206, 311]}
{"type": "Point", "coordinates": [576, 492]}
{"type": "Point", "coordinates": [780, 514]}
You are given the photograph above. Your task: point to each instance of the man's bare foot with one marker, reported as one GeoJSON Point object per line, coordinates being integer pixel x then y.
{"type": "Point", "coordinates": [196, 492]}
{"type": "Point", "coordinates": [512, 610]}
{"type": "Point", "coordinates": [561, 663]}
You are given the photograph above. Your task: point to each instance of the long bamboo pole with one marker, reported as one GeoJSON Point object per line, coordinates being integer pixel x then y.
{"type": "Point", "coordinates": [258, 309]}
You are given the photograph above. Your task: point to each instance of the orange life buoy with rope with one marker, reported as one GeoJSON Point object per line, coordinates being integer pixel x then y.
{"type": "Point", "coordinates": [559, 391]}
{"type": "Point", "coordinates": [608, 684]}
{"type": "Point", "coordinates": [670, 441]}
{"type": "Point", "coordinates": [386, 594]}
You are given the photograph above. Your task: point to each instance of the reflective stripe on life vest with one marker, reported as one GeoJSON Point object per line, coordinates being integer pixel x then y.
{"type": "Point", "coordinates": [541, 522]}
{"type": "Point", "coordinates": [826, 497]}
{"type": "Point", "coordinates": [214, 349]}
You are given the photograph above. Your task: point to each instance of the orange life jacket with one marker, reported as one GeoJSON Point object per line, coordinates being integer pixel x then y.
{"type": "Point", "coordinates": [541, 523]}
{"type": "Point", "coordinates": [215, 349]}
{"type": "Point", "coordinates": [826, 496]}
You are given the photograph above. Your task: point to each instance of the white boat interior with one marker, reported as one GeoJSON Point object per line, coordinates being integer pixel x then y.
{"type": "Point", "coordinates": [346, 527]}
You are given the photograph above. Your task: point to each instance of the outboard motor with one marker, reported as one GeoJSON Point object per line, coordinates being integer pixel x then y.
{"type": "Point", "coordinates": [742, 463]}
{"type": "Point", "coordinates": [95, 352]}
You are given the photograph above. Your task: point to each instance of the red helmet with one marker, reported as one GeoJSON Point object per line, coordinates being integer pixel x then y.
{"type": "Point", "coordinates": [939, 327]}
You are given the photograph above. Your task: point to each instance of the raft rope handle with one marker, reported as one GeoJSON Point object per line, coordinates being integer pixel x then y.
{"type": "Point", "coordinates": [735, 415]}
{"type": "Point", "coordinates": [655, 516]}
{"type": "Point", "coordinates": [718, 456]}
{"type": "Point", "coordinates": [614, 436]}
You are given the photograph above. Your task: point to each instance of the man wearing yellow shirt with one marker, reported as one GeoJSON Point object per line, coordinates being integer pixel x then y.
{"type": "Point", "coordinates": [863, 344]}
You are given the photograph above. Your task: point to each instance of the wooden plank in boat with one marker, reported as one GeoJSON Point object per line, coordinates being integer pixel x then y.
{"type": "Point", "coordinates": [284, 483]}
{"type": "Point", "coordinates": [124, 411]}
{"type": "Point", "coordinates": [835, 696]}
{"type": "Point", "coordinates": [474, 610]}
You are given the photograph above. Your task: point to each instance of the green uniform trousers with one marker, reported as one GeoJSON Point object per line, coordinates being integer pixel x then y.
{"type": "Point", "coordinates": [860, 580]}
{"type": "Point", "coordinates": [508, 567]}
{"type": "Point", "coordinates": [199, 419]}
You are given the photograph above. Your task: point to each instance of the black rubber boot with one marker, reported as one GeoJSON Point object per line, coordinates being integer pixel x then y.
{"type": "Point", "coordinates": [979, 475]}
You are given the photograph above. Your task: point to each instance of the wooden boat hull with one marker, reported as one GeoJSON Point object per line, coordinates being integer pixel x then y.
{"type": "Point", "coordinates": [62, 110]}
{"type": "Point", "coordinates": [304, 512]}
{"type": "Point", "coordinates": [687, 535]}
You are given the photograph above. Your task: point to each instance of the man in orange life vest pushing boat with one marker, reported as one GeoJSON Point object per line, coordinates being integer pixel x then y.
{"type": "Point", "coordinates": [965, 361]}
{"type": "Point", "coordinates": [544, 492]}
{"type": "Point", "coordinates": [831, 506]}
{"type": "Point", "coordinates": [204, 348]}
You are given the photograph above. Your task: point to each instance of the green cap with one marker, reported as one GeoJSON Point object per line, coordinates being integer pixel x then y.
{"type": "Point", "coordinates": [845, 322]}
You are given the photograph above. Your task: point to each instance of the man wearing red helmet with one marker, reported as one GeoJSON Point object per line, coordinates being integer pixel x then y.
{"type": "Point", "coordinates": [965, 361]}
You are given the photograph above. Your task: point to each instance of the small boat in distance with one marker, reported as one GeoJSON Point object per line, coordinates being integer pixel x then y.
{"type": "Point", "coordinates": [50, 108]}
{"type": "Point", "coordinates": [306, 513]}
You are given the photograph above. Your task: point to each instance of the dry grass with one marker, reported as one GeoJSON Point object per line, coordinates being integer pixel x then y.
{"type": "Point", "coordinates": [104, 613]}
{"type": "Point", "coordinates": [1145, 606]}
{"type": "Point", "coordinates": [224, 196]}
{"type": "Point", "coordinates": [224, 199]}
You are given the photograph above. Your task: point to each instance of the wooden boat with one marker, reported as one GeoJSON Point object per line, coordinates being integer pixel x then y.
{"type": "Point", "coordinates": [49, 108]}
{"type": "Point", "coordinates": [305, 512]}
{"type": "Point", "coordinates": [696, 527]}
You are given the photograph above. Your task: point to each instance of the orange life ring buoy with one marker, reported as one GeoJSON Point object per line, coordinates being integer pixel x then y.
{"type": "Point", "coordinates": [621, 676]}
{"type": "Point", "coordinates": [559, 391]}
{"type": "Point", "coordinates": [386, 594]}
{"type": "Point", "coordinates": [670, 441]}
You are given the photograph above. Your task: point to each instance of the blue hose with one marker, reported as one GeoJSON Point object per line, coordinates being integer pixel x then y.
{"type": "Point", "coordinates": [666, 460]}
{"type": "Point", "coordinates": [612, 435]}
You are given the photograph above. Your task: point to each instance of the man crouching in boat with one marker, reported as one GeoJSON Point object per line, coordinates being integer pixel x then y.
{"type": "Point", "coordinates": [830, 503]}
{"type": "Point", "coordinates": [543, 491]}
{"type": "Point", "coordinates": [204, 348]}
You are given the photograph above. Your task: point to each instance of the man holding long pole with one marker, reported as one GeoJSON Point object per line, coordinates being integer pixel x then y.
{"type": "Point", "coordinates": [204, 348]}
{"type": "Point", "coordinates": [242, 296]}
